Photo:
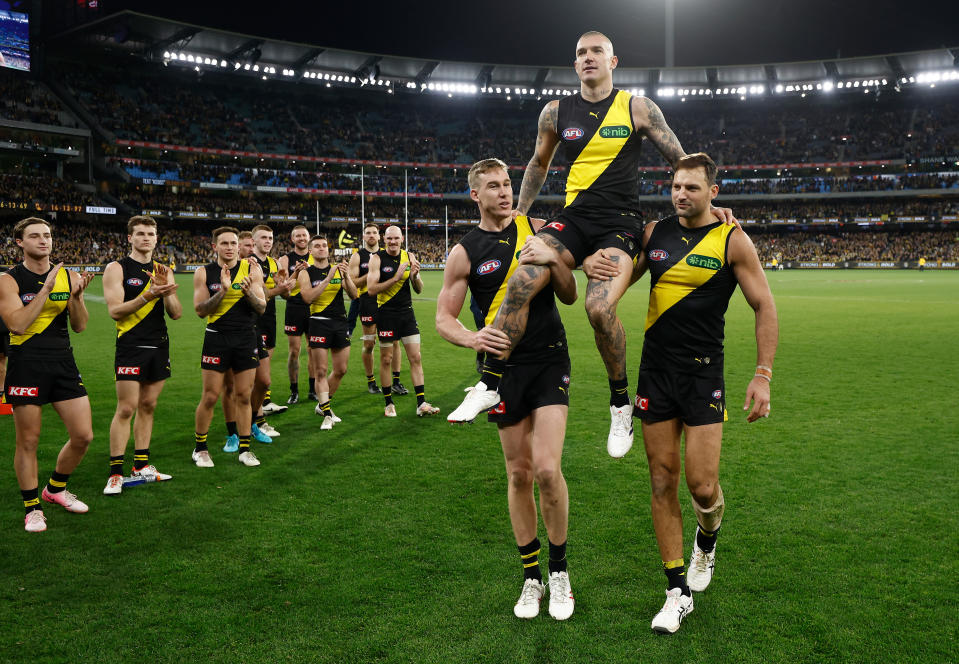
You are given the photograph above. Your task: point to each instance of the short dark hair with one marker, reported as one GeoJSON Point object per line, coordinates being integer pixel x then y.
{"type": "Point", "coordinates": [140, 220]}
{"type": "Point", "coordinates": [262, 227]}
{"type": "Point", "coordinates": [371, 225]}
{"type": "Point", "coordinates": [217, 232]}
{"type": "Point", "coordinates": [242, 235]}
{"type": "Point", "coordinates": [29, 221]}
{"type": "Point", "coordinates": [319, 237]}
{"type": "Point", "coordinates": [700, 160]}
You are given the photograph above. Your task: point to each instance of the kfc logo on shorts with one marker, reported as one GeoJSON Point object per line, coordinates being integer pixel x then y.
{"type": "Point", "coordinates": [128, 371]}
{"type": "Point", "coordinates": [289, 328]}
{"type": "Point", "coordinates": [555, 225]}
{"type": "Point", "coordinates": [133, 281]}
{"type": "Point", "coordinates": [573, 133]}
{"type": "Point", "coordinates": [27, 298]}
{"type": "Point", "coordinates": [488, 266]}
{"type": "Point", "coordinates": [386, 333]}
{"type": "Point", "coordinates": [23, 391]}
{"type": "Point", "coordinates": [718, 394]}
{"type": "Point", "coordinates": [366, 320]}
{"type": "Point", "coordinates": [642, 402]}
{"type": "Point", "coordinates": [658, 255]}
{"type": "Point", "coordinates": [500, 409]}
{"type": "Point", "coordinates": [211, 359]}
{"type": "Point", "coordinates": [318, 340]}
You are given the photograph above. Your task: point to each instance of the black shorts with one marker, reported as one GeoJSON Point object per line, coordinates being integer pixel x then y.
{"type": "Point", "coordinates": [296, 320]}
{"type": "Point", "coordinates": [695, 399]}
{"type": "Point", "coordinates": [328, 333]}
{"type": "Point", "coordinates": [223, 351]}
{"type": "Point", "coordinates": [36, 381]}
{"type": "Point", "coordinates": [266, 328]}
{"type": "Point", "coordinates": [142, 364]}
{"type": "Point", "coordinates": [5, 342]}
{"type": "Point", "coordinates": [261, 351]}
{"type": "Point", "coordinates": [367, 309]}
{"type": "Point", "coordinates": [394, 325]}
{"type": "Point", "coordinates": [583, 234]}
{"type": "Point", "coordinates": [526, 387]}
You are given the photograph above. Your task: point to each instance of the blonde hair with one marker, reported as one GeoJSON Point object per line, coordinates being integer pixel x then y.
{"type": "Point", "coordinates": [481, 167]}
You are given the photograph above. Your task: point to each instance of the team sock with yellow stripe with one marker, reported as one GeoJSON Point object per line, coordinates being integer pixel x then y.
{"type": "Point", "coordinates": [259, 419]}
{"type": "Point", "coordinates": [57, 482]}
{"type": "Point", "coordinates": [420, 394]}
{"type": "Point", "coordinates": [676, 575]}
{"type": "Point", "coordinates": [31, 499]}
{"type": "Point", "coordinates": [266, 397]}
{"type": "Point", "coordinates": [244, 443]}
{"type": "Point", "coordinates": [387, 394]}
{"type": "Point", "coordinates": [396, 377]}
{"type": "Point", "coordinates": [370, 380]}
{"type": "Point", "coordinates": [529, 555]}
{"type": "Point", "coordinates": [557, 557]}
{"type": "Point", "coordinates": [493, 370]}
{"type": "Point", "coordinates": [618, 389]}
{"type": "Point", "coordinates": [200, 442]}
{"type": "Point", "coordinates": [141, 459]}
{"type": "Point", "coordinates": [116, 465]}
{"type": "Point", "coordinates": [706, 539]}
{"type": "Point", "coordinates": [326, 408]}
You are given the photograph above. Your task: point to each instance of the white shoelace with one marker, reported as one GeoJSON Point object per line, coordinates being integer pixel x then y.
{"type": "Point", "coordinates": [621, 421]}
{"type": "Point", "coordinates": [701, 561]}
{"type": "Point", "coordinates": [530, 594]}
{"type": "Point", "coordinates": [559, 588]}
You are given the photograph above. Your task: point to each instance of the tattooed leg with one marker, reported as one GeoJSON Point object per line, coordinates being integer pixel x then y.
{"type": "Point", "coordinates": [602, 298]}
{"type": "Point", "coordinates": [511, 318]}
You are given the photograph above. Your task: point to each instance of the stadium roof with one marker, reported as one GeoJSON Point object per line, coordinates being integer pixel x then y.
{"type": "Point", "coordinates": [179, 43]}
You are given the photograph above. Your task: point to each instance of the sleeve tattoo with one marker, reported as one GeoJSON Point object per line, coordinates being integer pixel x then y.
{"type": "Point", "coordinates": [661, 135]}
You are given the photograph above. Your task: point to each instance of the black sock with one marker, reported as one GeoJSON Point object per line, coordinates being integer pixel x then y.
{"type": "Point", "coordinates": [313, 385]}
{"type": "Point", "coordinates": [31, 499]}
{"type": "Point", "coordinates": [200, 442]}
{"type": "Point", "coordinates": [617, 392]}
{"type": "Point", "coordinates": [676, 575]}
{"type": "Point", "coordinates": [706, 539]}
{"type": "Point", "coordinates": [387, 394]}
{"type": "Point", "coordinates": [231, 429]}
{"type": "Point", "coordinates": [141, 458]}
{"type": "Point", "coordinates": [116, 465]}
{"type": "Point", "coordinates": [493, 370]}
{"type": "Point", "coordinates": [260, 420]}
{"type": "Point", "coordinates": [529, 555]}
{"type": "Point", "coordinates": [244, 444]}
{"type": "Point", "coordinates": [396, 377]}
{"type": "Point", "coordinates": [266, 397]}
{"type": "Point", "coordinates": [294, 388]}
{"type": "Point", "coordinates": [557, 557]}
{"type": "Point", "coordinates": [420, 394]}
{"type": "Point", "coordinates": [326, 409]}
{"type": "Point", "coordinates": [370, 380]}
{"type": "Point", "coordinates": [57, 482]}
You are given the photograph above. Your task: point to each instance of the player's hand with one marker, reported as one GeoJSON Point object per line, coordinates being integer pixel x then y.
{"type": "Point", "coordinates": [536, 252]}
{"type": "Point", "coordinates": [299, 267]}
{"type": "Point", "coordinates": [246, 285]}
{"type": "Point", "coordinates": [600, 267]}
{"type": "Point", "coordinates": [226, 279]}
{"type": "Point", "coordinates": [51, 279]}
{"type": "Point", "coordinates": [344, 269]}
{"type": "Point", "coordinates": [758, 394]}
{"type": "Point", "coordinates": [161, 274]}
{"type": "Point", "coordinates": [490, 340]}
{"type": "Point", "coordinates": [162, 289]}
{"type": "Point", "coordinates": [402, 268]}
{"type": "Point", "coordinates": [726, 216]}
{"type": "Point", "coordinates": [254, 266]}
{"type": "Point", "coordinates": [77, 286]}
{"type": "Point", "coordinates": [414, 267]}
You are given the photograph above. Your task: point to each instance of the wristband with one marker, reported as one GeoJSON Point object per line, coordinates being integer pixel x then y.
{"type": "Point", "coordinates": [759, 375]}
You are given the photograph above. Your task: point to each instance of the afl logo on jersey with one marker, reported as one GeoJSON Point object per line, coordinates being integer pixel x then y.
{"type": "Point", "coordinates": [573, 133]}
{"type": "Point", "coordinates": [216, 287]}
{"type": "Point", "coordinates": [26, 298]}
{"type": "Point", "coordinates": [134, 282]}
{"type": "Point", "coordinates": [488, 266]}
{"type": "Point", "coordinates": [717, 394]}
{"type": "Point", "coordinates": [658, 255]}
{"type": "Point", "coordinates": [387, 268]}
{"type": "Point", "coordinates": [363, 266]}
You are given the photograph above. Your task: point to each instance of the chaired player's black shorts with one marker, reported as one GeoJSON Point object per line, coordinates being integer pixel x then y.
{"type": "Point", "coordinates": [261, 352]}
{"type": "Point", "coordinates": [328, 333]}
{"type": "Point", "coordinates": [144, 364]}
{"type": "Point", "coordinates": [267, 331]}
{"type": "Point", "coordinates": [5, 342]}
{"type": "Point", "coordinates": [695, 399]}
{"type": "Point", "coordinates": [223, 351]}
{"type": "Point", "coordinates": [526, 387]}
{"type": "Point", "coordinates": [367, 309]}
{"type": "Point", "coordinates": [296, 320]}
{"type": "Point", "coordinates": [583, 234]}
{"type": "Point", "coordinates": [36, 381]}
{"type": "Point", "coordinates": [395, 325]}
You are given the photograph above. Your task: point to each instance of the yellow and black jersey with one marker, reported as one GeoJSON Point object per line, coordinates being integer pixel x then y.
{"type": "Point", "coordinates": [494, 256]}
{"type": "Point", "coordinates": [602, 147]}
{"type": "Point", "coordinates": [47, 334]}
{"type": "Point", "coordinates": [329, 303]}
{"type": "Point", "coordinates": [235, 313]}
{"type": "Point", "coordinates": [292, 258]}
{"type": "Point", "coordinates": [146, 326]}
{"type": "Point", "coordinates": [397, 297]}
{"type": "Point", "coordinates": [691, 282]}
{"type": "Point", "coordinates": [269, 268]}
{"type": "Point", "coordinates": [364, 267]}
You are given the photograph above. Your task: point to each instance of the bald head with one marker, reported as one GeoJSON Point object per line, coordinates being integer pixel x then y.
{"type": "Point", "coordinates": [595, 35]}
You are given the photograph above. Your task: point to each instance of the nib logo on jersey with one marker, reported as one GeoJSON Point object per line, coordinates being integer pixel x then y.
{"type": "Point", "coordinates": [618, 131]}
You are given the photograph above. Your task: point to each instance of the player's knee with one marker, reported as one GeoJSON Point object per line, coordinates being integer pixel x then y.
{"type": "Point", "coordinates": [521, 477]}
{"type": "Point", "coordinates": [704, 491]}
{"type": "Point", "coordinates": [209, 398]}
{"type": "Point", "coordinates": [414, 357]}
{"type": "Point", "coordinates": [81, 441]}
{"type": "Point", "coordinates": [548, 477]}
{"type": "Point", "coordinates": [147, 406]}
{"type": "Point", "coordinates": [663, 482]}
{"type": "Point", "coordinates": [599, 311]}
{"type": "Point", "coordinates": [125, 410]}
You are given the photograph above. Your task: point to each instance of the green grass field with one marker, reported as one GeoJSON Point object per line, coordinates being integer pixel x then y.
{"type": "Point", "coordinates": [389, 540]}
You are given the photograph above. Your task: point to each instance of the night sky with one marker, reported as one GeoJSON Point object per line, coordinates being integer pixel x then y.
{"type": "Point", "coordinates": [707, 32]}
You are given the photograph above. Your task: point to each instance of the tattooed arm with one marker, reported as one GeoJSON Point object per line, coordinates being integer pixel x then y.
{"type": "Point", "coordinates": [649, 120]}
{"type": "Point", "coordinates": [547, 140]}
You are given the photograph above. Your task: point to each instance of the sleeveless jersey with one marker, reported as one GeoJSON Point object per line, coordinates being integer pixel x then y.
{"type": "Point", "coordinates": [269, 268]}
{"type": "Point", "coordinates": [691, 282]}
{"type": "Point", "coordinates": [602, 147]}
{"type": "Point", "coordinates": [329, 304]}
{"type": "Point", "coordinates": [292, 258]}
{"type": "Point", "coordinates": [47, 335]}
{"type": "Point", "coordinates": [235, 313]}
{"type": "Point", "coordinates": [397, 297]}
{"type": "Point", "coordinates": [146, 326]}
{"type": "Point", "coordinates": [493, 259]}
{"type": "Point", "coordinates": [364, 267]}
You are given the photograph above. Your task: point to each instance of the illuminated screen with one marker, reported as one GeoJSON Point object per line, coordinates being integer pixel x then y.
{"type": "Point", "coordinates": [14, 40]}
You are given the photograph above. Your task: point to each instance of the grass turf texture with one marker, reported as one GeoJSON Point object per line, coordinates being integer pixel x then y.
{"type": "Point", "coordinates": [389, 539]}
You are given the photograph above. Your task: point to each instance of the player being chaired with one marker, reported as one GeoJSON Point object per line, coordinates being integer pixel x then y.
{"type": "Point", "coordinates": [138, 292]}
{"type": "Point", "coordinates": [531, 416]}
{"type": "Point", "coordinates": [601, 130]}
{"type": "Point", "coordinates": [321, 287]}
